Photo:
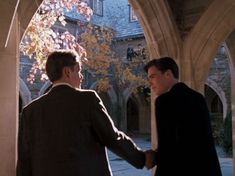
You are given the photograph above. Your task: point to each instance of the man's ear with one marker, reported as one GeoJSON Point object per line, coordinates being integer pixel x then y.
{"type": "Point", "coordinates": [66, 72]}
{"type": "Point", "coordinates": [169, 73]}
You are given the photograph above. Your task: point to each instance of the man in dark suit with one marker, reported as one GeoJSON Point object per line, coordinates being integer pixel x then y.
{"type": "Point", "coordinates": [185, 142]}
{"type": "Point", "coordinates": [66, 131]}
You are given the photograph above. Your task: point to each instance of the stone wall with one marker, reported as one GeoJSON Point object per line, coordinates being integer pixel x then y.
{"type": "Point", "coordinates": [220, 74]}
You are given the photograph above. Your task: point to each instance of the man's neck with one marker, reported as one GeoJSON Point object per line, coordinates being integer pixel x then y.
{"type": "Point", "coordinates": [175, 81]}
{"type": "Point", "coordinates": [59, 83]}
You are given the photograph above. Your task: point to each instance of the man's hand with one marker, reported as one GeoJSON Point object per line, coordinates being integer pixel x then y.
{"type": "Point", "coordinates": [149, 159]}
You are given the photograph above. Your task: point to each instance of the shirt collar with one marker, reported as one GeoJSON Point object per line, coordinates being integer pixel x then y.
{"type": "Point", "coordinates": [62, 83]}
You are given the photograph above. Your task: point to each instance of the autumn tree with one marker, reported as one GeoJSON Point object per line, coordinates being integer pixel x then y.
{"type": "Point", "coordinates": [110, 70]}
{"type": "Point", "coordinates": [40, 39]}
{"type": "Point", "coordinates": [94, 46]}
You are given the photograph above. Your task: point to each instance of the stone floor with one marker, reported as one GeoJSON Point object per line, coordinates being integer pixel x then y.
{"type": "Point", "coordinates": [121, 168]}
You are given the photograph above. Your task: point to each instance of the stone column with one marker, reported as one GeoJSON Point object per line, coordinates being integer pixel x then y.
{"type": "Point", "coordinates": [9, 94]}
{"type": "Point", "coordinates": [230, 43]}
{"type": "Point", "coordinates": [233, 112]}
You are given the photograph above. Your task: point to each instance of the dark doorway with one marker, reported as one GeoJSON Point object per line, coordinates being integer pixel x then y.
{"type": "Point", "coordinates": [216, 112]}
{"type": "Point", "coordinates": [132, 116]}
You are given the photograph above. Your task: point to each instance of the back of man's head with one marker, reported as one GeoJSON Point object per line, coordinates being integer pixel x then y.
{"type": "Point", "coordinates": [57, 60]}
{"type": "Point", "coordinates": [163, 64]}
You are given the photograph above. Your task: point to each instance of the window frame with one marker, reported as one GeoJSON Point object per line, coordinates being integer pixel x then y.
{"type": "Point", "coordinates": [97, 7]}
{"type": "Point", "coordinates": [132, 15]}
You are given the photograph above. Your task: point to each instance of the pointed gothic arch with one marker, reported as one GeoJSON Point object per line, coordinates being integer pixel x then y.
{"type": "Point", "coordinates": [213, 85]}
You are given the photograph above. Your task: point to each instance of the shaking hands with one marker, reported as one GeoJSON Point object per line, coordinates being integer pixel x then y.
{"type": "Point", "coordinates": [150, 159]}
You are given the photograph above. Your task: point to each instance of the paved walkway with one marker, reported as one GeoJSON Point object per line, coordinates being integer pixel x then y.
{"type": "Point", "coordinates": [121, 168]}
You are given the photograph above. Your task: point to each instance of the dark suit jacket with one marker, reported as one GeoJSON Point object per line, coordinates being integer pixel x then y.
{"type": "Point", "coordinates": [186, 146]}
{"type": "Point", "coordinates": [66, 132]}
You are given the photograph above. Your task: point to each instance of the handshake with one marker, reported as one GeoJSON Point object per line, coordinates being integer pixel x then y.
{"type": "Point", "coordinates": [150, 158]}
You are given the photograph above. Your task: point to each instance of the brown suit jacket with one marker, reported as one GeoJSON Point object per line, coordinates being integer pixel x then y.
{"type": "Point", "coordinates": [66, 132]}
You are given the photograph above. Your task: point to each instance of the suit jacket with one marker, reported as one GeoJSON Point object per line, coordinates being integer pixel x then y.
{"type": "Point", "coordinates": [185, 142]}
{"type": "Point", "coordinates": [66, 132]}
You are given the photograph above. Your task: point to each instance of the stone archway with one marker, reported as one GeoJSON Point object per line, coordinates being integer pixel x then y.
{"type": "Point", "coordinates": [216, 113]}
{"type": "Point", "coordinates": [230, 47]}
{"type": "Point", "coordinates": [138, 98]}
{"type": "Point", "coordinates": [162, 40]}
{"type": "Point", "coordinates": [15, 18]}
{"type": "Point", "coordinates": [132, 116]}
{"type": "Point", "coordinates": [213, 85]}
{"type": "Point", "coordinates": [198, 47]}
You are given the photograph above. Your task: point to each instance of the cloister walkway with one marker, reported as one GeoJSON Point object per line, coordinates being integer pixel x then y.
{"type": "Point", "coordinates": [122, 168]}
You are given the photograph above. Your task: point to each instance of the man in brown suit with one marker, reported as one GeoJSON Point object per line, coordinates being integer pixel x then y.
{"type": "Point", "coordinates": [66, 131]}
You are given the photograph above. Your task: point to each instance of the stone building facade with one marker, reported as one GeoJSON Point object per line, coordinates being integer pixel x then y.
{"type": "Point", "coordinates": [131, 111]}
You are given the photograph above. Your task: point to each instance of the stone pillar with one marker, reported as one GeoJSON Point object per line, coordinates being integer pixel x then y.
{"type": "Point", "coordinates": [230, 43]}
{"type": "Point", "coordinates": [233, 113]}
{"type": "Point", "coordinates": [233, 107]}
{"type": "Point", "coordinates": [154, 134]}
{"type": "Point", "coordinates": [9, 94]}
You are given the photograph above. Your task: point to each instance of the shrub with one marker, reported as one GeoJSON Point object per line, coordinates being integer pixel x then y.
{"type": "Point", "coordinates": [227, 134]}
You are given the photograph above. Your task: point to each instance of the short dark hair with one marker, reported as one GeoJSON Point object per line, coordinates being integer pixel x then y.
{"type": "Point", "coordinates": [163, 64]}
{"type": "Point", "coordinates": [57, 60]}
